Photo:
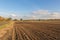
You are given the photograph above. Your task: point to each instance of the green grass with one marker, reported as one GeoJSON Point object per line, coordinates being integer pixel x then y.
{"type": "Point", "coordinates": [5, 25]}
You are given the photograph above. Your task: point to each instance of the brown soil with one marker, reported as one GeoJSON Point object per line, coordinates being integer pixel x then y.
{"type": "Point", "coordinates": [37, 31]}
{"type": "Point", "coordinates": [33, 31]}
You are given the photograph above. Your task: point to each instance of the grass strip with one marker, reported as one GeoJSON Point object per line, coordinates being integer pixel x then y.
{"type": "Point", "coordinates": [6, 25]}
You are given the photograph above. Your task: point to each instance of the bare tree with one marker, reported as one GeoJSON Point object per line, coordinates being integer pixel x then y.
{"type": "Point", "coordinates": [21, 19]}
{"type": "Point", "coordinates": [15, 20]}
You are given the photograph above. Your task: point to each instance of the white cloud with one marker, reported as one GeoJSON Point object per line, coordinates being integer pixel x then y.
{"type": "Point", "coordinates": [29, 17]}
{"type": "Point", "coordinates": [13, 15]}
{"type": "Point", "coordinates": [45, 14]}
{"type": "Point", "coordinates": [38, 14]}
{"type": "Point", "coordinates": [32, 17]}
{"type": "Point", "coordinates": [55, 15]}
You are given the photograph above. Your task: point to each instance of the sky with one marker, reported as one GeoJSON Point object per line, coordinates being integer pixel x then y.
{"type": "Point", "coordinates": [30, 9]}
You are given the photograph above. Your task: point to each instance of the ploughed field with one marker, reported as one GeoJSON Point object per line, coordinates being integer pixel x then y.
{"type": "Point", "coordinates": [36, 31]}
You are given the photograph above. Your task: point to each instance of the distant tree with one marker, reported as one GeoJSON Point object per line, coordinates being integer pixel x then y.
{"type": "Point", "coordinates": [15, 20]}
{"type": "Point", "coordinates": [21, 19]}
{"type": "Point", "coordinates": [38, 19]}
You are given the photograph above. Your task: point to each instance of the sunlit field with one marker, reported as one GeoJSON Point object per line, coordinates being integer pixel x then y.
{"type": "Point", "coordinates": [32, 30]}
{"type": "Point", "coordinates": [29, 19]}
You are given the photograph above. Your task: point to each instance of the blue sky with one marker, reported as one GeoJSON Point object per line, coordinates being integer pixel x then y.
{"type": "Point", "coordinates": [27, 7]}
